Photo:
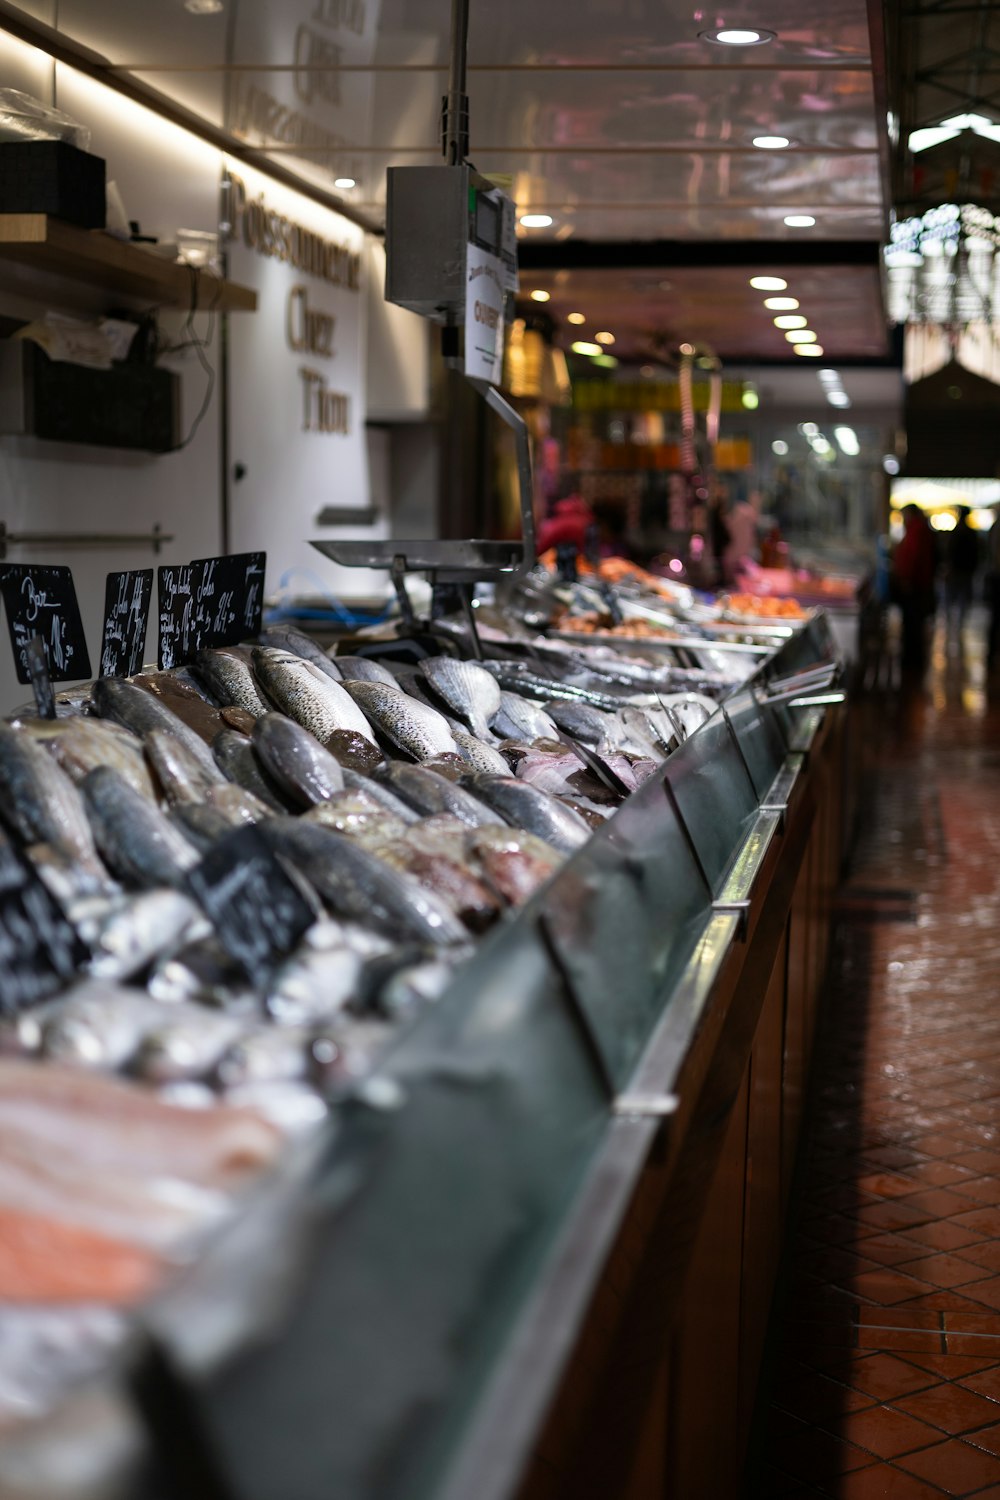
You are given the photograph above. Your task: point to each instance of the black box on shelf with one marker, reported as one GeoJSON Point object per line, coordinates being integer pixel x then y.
{"type": "Point", "coordinates": [129, 406]}
{"type": "Point", "coordinates": [52, 177]}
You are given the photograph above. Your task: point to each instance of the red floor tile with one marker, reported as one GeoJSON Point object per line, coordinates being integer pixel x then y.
{"type": "Point", "coordinates": [945, 1270]}
{"type": "Point", "coordinates": [886, 1287]}
{"type": "Point", "coordinates": [951, 1407]}
{"type": "Point", "coordinates": [884, 1377]}
{"type": "Point", "coordinates": [883, 1482]}
{"type": "Point", "coordinates": [946, 1235]}
{"type": "Point", "coordinates": [985, 1253]}
{"type": "Point", "coordinates": [957, 1467]}
{"type": "Point", "coordinates": [886, 1432]}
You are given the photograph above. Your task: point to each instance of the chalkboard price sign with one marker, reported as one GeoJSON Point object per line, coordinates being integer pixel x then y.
{"type": "Point", "coordinates": [41, 682]}
{"type": "Point", "coordinates": [126, 617]}
{"type": "Point", "coordinates": [39, 951]}
{"type": "Point", "coordinates": [257, 904]}
{"type": "Point", "coordinates": [177, 599]}
{"type": "Point", "coordinates": [42, 602]}
{"type": "Point", "coordinates": [231, 591]}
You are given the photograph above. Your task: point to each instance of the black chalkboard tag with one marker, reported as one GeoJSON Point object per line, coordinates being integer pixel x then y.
{"type": "Point", "coordinates": [126, 617]}
{"type": "Point", "coordinates": [41, 682]}
{"type": "Point", "coordinates": [39, 951]}
{"type": "Point", "coordinates": [42, 601]}
{"type": "Point", "coordinates": [232, 594]}
{"type": "Point", "coordinates": [179, 614]}
{"type": "Point", "coordinates": [258, 905]}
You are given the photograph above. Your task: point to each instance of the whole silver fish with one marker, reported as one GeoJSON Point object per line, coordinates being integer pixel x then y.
{"type": "Point", "coordinates": [236, 805]}
{"type": "Point", "coordinates": [228, 671]}
{"type": "Point", "coordinates": [689, 710]}
{"type": "Point", "coordinates": [590, 725]}
{"type": "Point", "coordinates": [99, 1025]}
{"type": "Point", "coordinates": [519, 718]}
{"type": "Point", "coordinates": [41, 803]}
{"type": "Point", "coordinates": [138, 841]}
{"type": "Point", "coordinates": [141, 711]}
{"type": "Point", "coordinates": [313, 985]}
{"type": "Point", "coordinates": [363, 669]}
{"type": "Point", "coordinates": [268, 1054]}
{"type": "Point", "coordinates": [646, 734]}
{"type": "Point", "coordinates": [480, 756]}
{"type": "Point", "coordinates": [467, 689]}
{"type": "Point", "coordinates": [182, 776]}
{"type": "Point", "coordinates": [526, 807]}
{"type": "Point", "coordinates": [296, 760]}
{"type": "Point", "coordinates": [354, 781]}
{"type": "Point", "coordinates": [137, 931]}
{"type": "Point", "coordinates": [187, 1043]}
{"type": "Point", "coordinates": [413, 987]}
{"type": "Point", "coordinates": [203, 971]}
{"type": "Point", "coordinates": [356, 884]}
{"type": "Point", "coordinates": [515, 863]}
{"type": "Point", "coordinates": [285, 638]}
{"type": "Point", "coordinates": [235, 757]}
{"type": "Point", "coordinates": [518, 677]}
{"type": "Point", "coordinates": [359, 816]}
{"type": "Point", "coordinates": [80, 744]}
{"type": "Point", "coordinates": [300, 690]}
{"type": "Point", "coordinates": [202, 825]}
{"type": "Point", "coordinates": [430, 793]}
{"type": "Point", "coordinates": [416, 728]}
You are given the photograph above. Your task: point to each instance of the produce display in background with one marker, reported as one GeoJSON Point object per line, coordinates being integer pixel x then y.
{"type": "Point", "coordinates": [236, 880]}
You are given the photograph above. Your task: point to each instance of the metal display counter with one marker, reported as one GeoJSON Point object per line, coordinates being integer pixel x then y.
{"type": "Point", "coordinates": [535, 1258]}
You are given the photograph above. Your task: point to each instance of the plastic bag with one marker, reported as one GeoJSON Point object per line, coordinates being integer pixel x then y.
{"type": "Point", "coordinates": [23, 118]}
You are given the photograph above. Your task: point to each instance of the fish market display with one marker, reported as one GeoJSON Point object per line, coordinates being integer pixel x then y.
{"type": "Point", "coordinates": [401, 809]}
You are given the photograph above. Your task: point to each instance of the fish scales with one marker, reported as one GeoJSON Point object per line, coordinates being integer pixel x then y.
{"type": "Point", "coordinates": [467, 689]}
{"type": "Point", "coordinates": [414, 726]}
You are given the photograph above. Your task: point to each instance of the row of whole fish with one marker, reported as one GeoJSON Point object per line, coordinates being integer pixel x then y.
{"type": "Point", "coordinates": [416, 807]}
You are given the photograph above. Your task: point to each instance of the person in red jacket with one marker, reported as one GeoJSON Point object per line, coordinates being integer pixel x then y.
{"type": "Point", "coordinates": [913, 567]}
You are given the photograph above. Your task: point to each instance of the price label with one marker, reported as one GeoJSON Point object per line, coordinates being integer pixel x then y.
{"type": "Point", "coordinates": [176, 593]}
{"type": "Point", "coordinates": [259, 906]}
{"type": "Point", "coordinates": [126, 617]}
{"type": "Point", "coordinates": [230, 598]}
{"type": "Point", "coordinates": [42, 602]}
{"type": "Point", "coordinates": [39, 951]}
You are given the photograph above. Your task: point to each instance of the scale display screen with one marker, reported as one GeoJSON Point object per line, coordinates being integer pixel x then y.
{"type": "Point", "coordinates": [486, 224]}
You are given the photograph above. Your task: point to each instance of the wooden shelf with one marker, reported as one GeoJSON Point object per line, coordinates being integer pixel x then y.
{"type": "Point", "coordinates": [44, 244]}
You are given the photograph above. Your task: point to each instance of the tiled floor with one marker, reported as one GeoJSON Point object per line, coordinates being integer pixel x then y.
{"type": "Point", "coordinates": [885, 1380]}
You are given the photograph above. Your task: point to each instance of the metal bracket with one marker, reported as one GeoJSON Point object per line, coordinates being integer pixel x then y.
{"type": "Point", "coordinates": [155, 539]}
{"type": "Point", "coordinates": [738, 909]}
{"type": "Point", "coordinates": [646, 1106]}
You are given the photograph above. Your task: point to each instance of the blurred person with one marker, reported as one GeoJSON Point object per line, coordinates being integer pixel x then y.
{"type": "Point", "coordinates": [741, 523]}
{"type": "Point", "coordinates": [993, 594]}
{"type": "Point", "coordinates": [567, 522]}
{"type": "Point", "coordinates": [914, 564]}
{"type": "Point", "coordinates": [960, 563]}
{"type": "Point", "coordinates": [718, 530]}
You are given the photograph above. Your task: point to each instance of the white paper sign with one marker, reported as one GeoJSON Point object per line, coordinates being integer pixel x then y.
{"type": "Point", "coordinates": [484, 315]}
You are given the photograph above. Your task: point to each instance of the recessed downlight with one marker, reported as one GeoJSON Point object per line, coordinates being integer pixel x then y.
{"type": "Point", "coordinates": [801, 336]}
{"type": "Point", "coordinates": [771, 142]}
{"type": "Point", "coordinates": [575, 318]}
{"type": "Point", "coordinates": [811, 351]}
{"type": "Point", "coordinates": [839, 398]}
{"type": "Point", "coordinates": [781, 304]}
{"type": "Point", "coordinates": [790, 320]}
{"type": "Point", "coordinates": [539, 296]}
{"type": "Point", "coordinates": [344, 183]}
{"type": "Point", "coordinates": [535, 221]}
{"type": "Point", "coordinates": [604, 338]}
{"type": "Point", "coordinates": [737, 36]}
{"type": "Point", "coordinates": [582, 347]}
{"type": "Point", "coordinates": [799, 221]}
{"type": "Point", "coordinates": [768, 284]}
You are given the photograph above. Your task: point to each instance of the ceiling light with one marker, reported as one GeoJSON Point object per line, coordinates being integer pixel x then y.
{"type": "Point", "coordinates": [780, 304]}
{"type": "Point", "coordinates": [890, 464]}
{"type": "Point", "coordinates": [808, 429]}
{"type": "Point", "coordinates": [750, 399]}
{"type": "Point", "coordinates": [647, 371]}
{"type": "Point", "coordinates": [606, 361]}
{"type": "Point", "coordinates": [575, 318]}
{"type": "Point", "coordinates": [934, 135]}
{"type": "Point", "coordinates": [839, 398]}
{"type": "Point", "coordinates": [731, 36]}
{"type": "Point", "coordinates": [944, 521]}
{"type": "Point", "coordinates": [344, 183]}
{"type": "Point", "coordinates": [812, 351]}
{"type": "Point", "coordinates": [584, 348]}
{"type": "Point", "coordinates": [799, 221]}
{"type": "Point", "coordinates": [203, 7]}
{"type": "Point", "coordinates": [540, 296]}
{"type": "Point", "coordinates": [604, 338]}
{"type": "Point", "coordinates": [535, 221]}
{"type": "Point", "coordinates": [829, 377]}
{"type": "Point", "coordinates": [768, 284]}
{"type": "Point", "coordinates": [780, 447]}
{"type": "Point", "coordinates": [771, 142]}
{"type": "Point", "coordinates": [790, 320]}
{"type": "Point", "coordinates": [801, 336]}
{"type": "Point", "coordinates": [687, 349]}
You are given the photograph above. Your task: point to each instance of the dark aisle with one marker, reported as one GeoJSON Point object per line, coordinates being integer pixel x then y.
{"type": "Point", "coordinates": [885, 1380]}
